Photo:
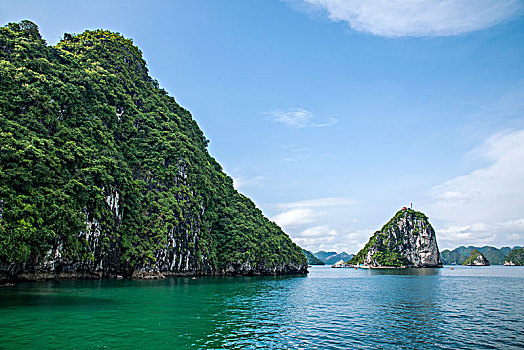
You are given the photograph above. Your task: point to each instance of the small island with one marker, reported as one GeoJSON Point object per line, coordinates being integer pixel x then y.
{"type": "Point", "coordinates": [407, 240]}
{"type": "Point", "coordinates": [515, 258]}
{"type": "Point", "coordinates": [457, 256]}
{"type": "Point", "coordinates": [476, 259]}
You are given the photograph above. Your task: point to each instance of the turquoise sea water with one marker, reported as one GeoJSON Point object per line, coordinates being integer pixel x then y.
{"type": "Point", "coordinates": [463, 308]}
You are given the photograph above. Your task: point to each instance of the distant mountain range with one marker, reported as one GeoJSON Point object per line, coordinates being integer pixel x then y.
{"type": "Point", "coordinates": [331, 258]}
{"type": "Point", "coordinates": [312, 259]}
{"type": "Point", "coordinates": [458, 255]}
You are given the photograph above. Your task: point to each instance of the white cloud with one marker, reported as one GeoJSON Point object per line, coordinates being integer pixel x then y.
{"type": "Point", "coordinates": [241, 181]}
{"type": "Point", "coordinates": [482, 207]}
{"type": "Point", "coordinates": [319, 202]}
{"type": "Point", "coordinates": [298, 118]}
{"type": "Point", "coordinates": [318, 231]}
{"type": "Point", "coordinates": [296, 153]}
{"type": "Point", "coordinates": [485, 205]}
{"type": "Point", "coordinates": [324, 237]}
{"type": "Point", "coordinates": [301, 216]}
{"type": "Point", "coordinates": [453, 236]}
{"type": "Point", "coordinates": [309, 223]}
{"type": "Point", "coordinates": [316, 237]}
{"type": "Point", "coordinates": [397, 18]}
{"type": "Point", "coordinates": [457, 196]}
{"type": "Point", "coordinates": [507, 233]}
{"type": "Point", "coordinates": [513, 224]}
{"type": "Point", "coordinates": [294, 218]}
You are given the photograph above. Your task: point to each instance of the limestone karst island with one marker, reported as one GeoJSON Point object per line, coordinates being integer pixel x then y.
{"type": "Point", "coordinates": [407, 240]}
{"type": "Point", "coordinates": [105, 175]}
{"type": "Point", "coordinates": [476, 259]}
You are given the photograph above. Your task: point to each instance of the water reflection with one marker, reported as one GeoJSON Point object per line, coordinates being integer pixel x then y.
{"type": "Point", "coordinates": [408, 309]}
{"type": "Point", "coordinates": [329, 309]}
{"type": "Point", "coordinates": [408, 271]}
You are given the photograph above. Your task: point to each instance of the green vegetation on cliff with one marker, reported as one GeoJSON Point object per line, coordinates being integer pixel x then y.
{"type": "Point", "coordinates": [515, 257]}
{"type": "Point", "coordinates": [99, 167]}
{"type": "Point", "coordinates": [458, 255]}
{"type": "Point", "coordinates": [361, 255]}
{"type": "Point", "coordinates": [396, 244]}
{"type": "Point", "coordinates": [475, 258]}
{"type": "Point", "coordinates": [392, 223]}
{"type": "Point", "coordinates": [384, 256]}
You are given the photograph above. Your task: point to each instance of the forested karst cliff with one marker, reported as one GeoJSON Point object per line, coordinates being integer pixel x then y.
{"type": "Point", "coordinates": [515, 257]}
{"type": "Point", "coordinates": [457, 256]}
{"type": "Point", "coordinates": [103, 173]}
{"type": "Point", "coordinates": [476, 258]}
{"type": "Point", "coordinates": [407, 240]}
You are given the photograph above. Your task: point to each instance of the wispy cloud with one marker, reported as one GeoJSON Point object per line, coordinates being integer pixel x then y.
{"type": "Point", "coordinates": [301, 214]}
{"type": "Point", "coordinates": [318, 231]}
{"type": "Point", "coordinates": [486, 204]}
{"type": "Point", "coordinates": [453, 236]}
{"type": "Point", "coordinates": [242, 181]}
{"type": "Point", "coordinates": [397, 18]}
{"type": "Point", "coordinates": [294, 217]}
{"type": "Point", "coordinates": [298, 118]}
{"type": "Point", "coordinates": [296, 153]}
{"type": "Point", "coordinates": [324, 237]}
{"type": "Point", "coordinates": [309, 221]}
{"type": "Point", "coordinates": [316, 237]}
{"type": "Point", "coordinates": [318, 202]}
{"type": "Point", "coordinates": [509, 233]}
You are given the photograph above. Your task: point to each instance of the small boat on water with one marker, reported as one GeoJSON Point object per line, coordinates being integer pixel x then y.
{"type": "Point", "coordinates": [360, 266]}
{"type": "Point", "coordinates": [340, 264]}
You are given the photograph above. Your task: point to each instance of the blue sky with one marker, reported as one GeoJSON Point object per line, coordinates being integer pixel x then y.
{"type": "Point", "coordinates": [332, 115]}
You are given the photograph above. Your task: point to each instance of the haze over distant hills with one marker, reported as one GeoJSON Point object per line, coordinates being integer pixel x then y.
{"type": "Point", "coordinates": [458, 255]}
{"type": "Point", "coordinates": [311, 258]}
{"type": "Point", "coordinates": [330, 258]}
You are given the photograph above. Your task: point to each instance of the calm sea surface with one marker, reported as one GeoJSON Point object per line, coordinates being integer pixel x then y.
{"type": "Point", "coordinates": [463, 308]}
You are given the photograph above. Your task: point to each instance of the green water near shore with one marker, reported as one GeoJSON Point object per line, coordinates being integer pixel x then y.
{"type": "Point", "coordinates": [330, 309]}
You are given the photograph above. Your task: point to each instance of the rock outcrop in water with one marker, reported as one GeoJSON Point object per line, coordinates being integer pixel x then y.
{"type": "Point", "coordinates": [476, 259]}
{"type": "Point", "coordinates": [102, 173]}
{"type": "Point", "coordinates": [515, 257]}
{"type": "Point", "coordinates": [457, 256]}
{"type": "Point", "coordinates": [407, 240]}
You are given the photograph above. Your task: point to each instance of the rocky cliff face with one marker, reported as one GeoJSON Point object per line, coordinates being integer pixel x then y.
{"type": "Point", "coordinates": [458, 255]}
{"type": "Point", "coordinates": [102, 173]}
{"type": "Point", "coordinates": [407, 240]}
{"type": "Point", "coordinates": [476, 259]}
{"type": "Point", "coordinates": [515, 257]}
